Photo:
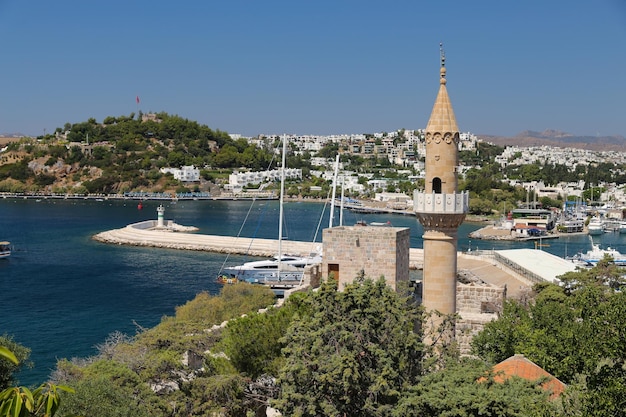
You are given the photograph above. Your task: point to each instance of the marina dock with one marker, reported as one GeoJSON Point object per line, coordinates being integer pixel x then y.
{"type": "Point", "coordinates": [144, 234]}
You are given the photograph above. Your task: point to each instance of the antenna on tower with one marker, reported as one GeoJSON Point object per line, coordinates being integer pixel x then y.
{"type": "Point", "coordinates": [442, 54]}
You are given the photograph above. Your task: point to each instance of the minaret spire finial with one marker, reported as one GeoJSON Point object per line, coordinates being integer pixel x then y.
{"type": "Point", "coordinates": [442, 70]}
{"type": "Point", "coordinates": [442, 54]}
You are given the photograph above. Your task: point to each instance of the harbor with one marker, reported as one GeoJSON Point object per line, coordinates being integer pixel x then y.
{"type": "Point", "coordinates": [478, 265]}
{"type": "Point", "coordinates": [137, 281]}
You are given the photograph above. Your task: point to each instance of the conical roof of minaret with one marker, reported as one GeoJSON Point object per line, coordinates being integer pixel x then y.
{"type": "Point", "coordinates": [442, 117]}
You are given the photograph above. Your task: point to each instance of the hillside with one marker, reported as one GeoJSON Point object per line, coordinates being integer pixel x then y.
{"type": "Point", "coordinates": [121, 154]}
{"type": "Point", "coordinates": [559, 139]}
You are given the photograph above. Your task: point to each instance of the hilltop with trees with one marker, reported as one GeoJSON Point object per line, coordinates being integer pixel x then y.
{"type": "Point", "coordinates": [121, 154]}
{"type": "Point", "coordinates": [126, 153]}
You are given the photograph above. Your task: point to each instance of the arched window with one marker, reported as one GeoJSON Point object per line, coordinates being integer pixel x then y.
{"type": "Point", "coordinates": [437, 185]}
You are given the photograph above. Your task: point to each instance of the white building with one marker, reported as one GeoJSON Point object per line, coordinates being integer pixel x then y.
{"type": "Point", "coordinates": [186, 174]}
{"type": "Point", "coordinates": [238, 180]}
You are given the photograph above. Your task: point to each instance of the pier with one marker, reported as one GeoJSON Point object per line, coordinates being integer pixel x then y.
{"type": "Point", "coordinates": [176, 237]}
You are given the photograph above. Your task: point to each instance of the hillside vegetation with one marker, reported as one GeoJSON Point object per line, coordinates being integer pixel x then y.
{"type": "Point", "coordinates": [356, 352]}
{"type": "Point", "coordinates": [121, 154]}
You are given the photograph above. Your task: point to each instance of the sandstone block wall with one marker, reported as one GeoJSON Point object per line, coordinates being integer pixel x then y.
{"type": "Point", "coordinates": [376, 251]}
{"type": "Point", "coordinates": [477, 304]}
{"type": "Point", "coordinates": [477, 298]}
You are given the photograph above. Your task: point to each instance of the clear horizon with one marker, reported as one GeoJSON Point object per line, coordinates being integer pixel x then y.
{"type": "Point", "coordinates": [318, 68]}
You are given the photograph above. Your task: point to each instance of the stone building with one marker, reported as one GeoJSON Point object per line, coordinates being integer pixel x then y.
{"type": "Point", "coordinates": [372, 250]}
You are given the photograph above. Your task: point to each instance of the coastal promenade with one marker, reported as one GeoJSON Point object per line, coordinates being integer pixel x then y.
{"type": "Point", "coordinates": [177, 237]}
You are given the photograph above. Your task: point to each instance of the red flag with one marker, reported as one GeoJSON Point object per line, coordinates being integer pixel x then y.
{"type": "Point", "coordinates": [137, 99]}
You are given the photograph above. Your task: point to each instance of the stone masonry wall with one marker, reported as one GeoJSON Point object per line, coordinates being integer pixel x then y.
{"type": "Point", "coordinates": [479, 298]}
{"type": "Point", "coordinates": [374, 250]}
{"type": "Point", "coordinates": [477, 304]}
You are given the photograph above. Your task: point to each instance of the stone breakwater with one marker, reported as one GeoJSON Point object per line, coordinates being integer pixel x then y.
{"type": "Point", "coordinates": [172, 239]}
{"type": "Point", "coordinates": [175, 238]}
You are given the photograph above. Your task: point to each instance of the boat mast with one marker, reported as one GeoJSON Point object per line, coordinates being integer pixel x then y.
{"type": "Point", "coordinates": [341, 204]}
{"type": "Point", "coordinates": [332, 201]}
{"type": "Point", "coordinates": [280, 212]}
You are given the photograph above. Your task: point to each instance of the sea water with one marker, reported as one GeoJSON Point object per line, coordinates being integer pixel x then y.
{"type": "Point", "coordinates": [62, 293]}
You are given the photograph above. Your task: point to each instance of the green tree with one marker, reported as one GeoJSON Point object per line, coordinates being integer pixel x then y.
{"type": "Point", "coordinates": [253, 343]}
{"type": "Point", "coordinates": [575, 330]}
{"type": "Point", "coordinates": [352, 355]}
{"type": "Point", "coordinates": [108, 389]}
{"type": "Point", "coordinates": [44, 401]}
{"type": "Point", "coordinates": [17, 356]}
{"type": "Point", "coordinates": [467, 388]}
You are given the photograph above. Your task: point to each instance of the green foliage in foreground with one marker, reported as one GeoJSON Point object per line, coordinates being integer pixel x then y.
{"type": "Point", "coordinates": [16, 401]}
{"type": "Point", "coordinates": [352, 355]}
{"type": "Point", "coordinates": [15, 356]}
{"type": "Point", "coordinates": [456, 392]}
{"type": "Point", "coordinates": [145, 375]}
{"type": "Point", "coordinates": [575, 331]}
{"type": "Point", "coordinates": [357, 352]}
{"type": "Point", "coordinates": [254, 343]}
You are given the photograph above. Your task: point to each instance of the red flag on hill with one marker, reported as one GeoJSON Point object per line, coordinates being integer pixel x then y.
{"type": "Point", "coordinates": [137, 99]}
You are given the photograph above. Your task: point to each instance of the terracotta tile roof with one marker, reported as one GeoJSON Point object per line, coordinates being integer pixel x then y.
{"type": "Point", "coordinates": [518, 365]}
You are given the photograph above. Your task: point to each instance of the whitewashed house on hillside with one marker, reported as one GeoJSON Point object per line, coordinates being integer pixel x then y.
{"type": "Point", "coordinates": [187, 173]}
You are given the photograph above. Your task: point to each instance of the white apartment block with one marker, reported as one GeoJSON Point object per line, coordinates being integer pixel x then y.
{"type": "Point", "coordinates": [185, 174]}
{"type": "Point", "coordinates": [238, 180]}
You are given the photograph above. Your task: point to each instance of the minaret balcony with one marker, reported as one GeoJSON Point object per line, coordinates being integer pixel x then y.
{"type": "Point", "coordinates": [433, 203]}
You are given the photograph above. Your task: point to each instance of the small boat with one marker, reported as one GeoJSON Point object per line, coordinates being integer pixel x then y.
{"type": "Point", "coordinates": [227, 279]}
{"type": "Point", "coordinates": [5, 249]}
{"type": "Point", "coordinates": [376, 224]}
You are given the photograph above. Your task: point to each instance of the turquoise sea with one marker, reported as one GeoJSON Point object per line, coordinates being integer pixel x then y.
{"type": "Point", "coordinates": [61, 293]}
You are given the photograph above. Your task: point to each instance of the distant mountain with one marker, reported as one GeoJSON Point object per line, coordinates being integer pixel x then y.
{"type": "Point", "coordinates": [559, 139]}
{"type": "Point", "coordinates": [11, 135]}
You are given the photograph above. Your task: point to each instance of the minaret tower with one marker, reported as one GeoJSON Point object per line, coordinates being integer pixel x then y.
{"type": "Point", "coordinates": [440, 208]}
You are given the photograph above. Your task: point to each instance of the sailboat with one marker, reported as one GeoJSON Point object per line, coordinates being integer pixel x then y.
{"type": "Point", "coordinates": [283, 269]}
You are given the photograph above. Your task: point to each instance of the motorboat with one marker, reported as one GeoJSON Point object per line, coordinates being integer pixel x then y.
{"type": "Point", "coordinates": [5, 249]}
{"type": "Point", "coordinates": [274, 270]}
{"type": "Point", "coordinates": [596, 226]}
{"type": "Point", "coordinates": [595, 254]}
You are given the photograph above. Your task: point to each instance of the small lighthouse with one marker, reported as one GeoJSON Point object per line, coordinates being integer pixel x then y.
{"type": "Point", "coordinates": [160, 216]}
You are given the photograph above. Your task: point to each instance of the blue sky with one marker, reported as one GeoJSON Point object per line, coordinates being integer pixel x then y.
{"type": "Point", "coordinates": [316, 67]}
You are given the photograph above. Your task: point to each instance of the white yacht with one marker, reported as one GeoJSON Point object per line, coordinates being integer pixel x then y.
{"type": "Point", "coordinates": [596, 226]}
{"type": "Point", "coordinates": [278, 269]}
{"type": "Point", "coordinates": [595, 254]}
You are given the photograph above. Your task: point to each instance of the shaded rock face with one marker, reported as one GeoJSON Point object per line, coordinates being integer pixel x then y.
{"type": "Point", "coordinates": [193, 360]}
{"type": "Point", "coordinates": [164, 387]}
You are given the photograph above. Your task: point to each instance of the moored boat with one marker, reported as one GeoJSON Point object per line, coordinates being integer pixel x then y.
{"type": "Point", "coordinates": [596, 226]}
{"type": "Point", "coordinates": [282, 268]}
{"type": "Point", "coordinates": [5, 249]}
{"type": "Point", "coordinates": [596, 254]}
{"type": "Point", "coordinates": [274, 270]}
